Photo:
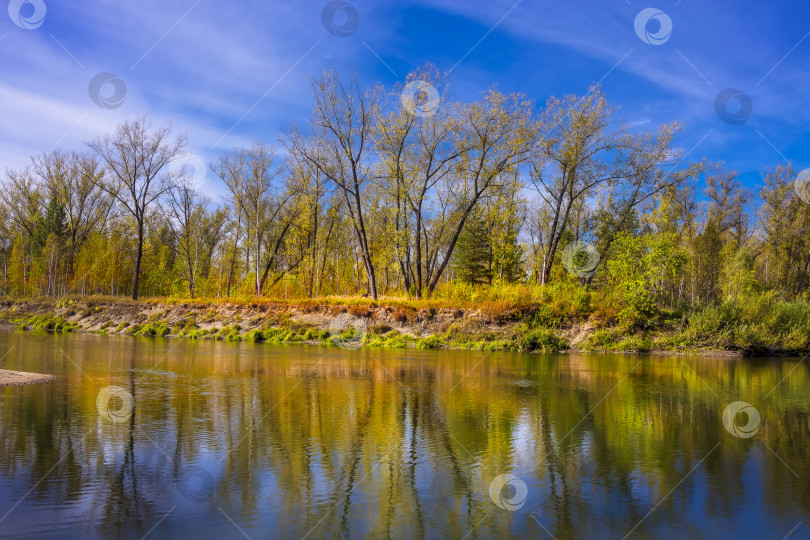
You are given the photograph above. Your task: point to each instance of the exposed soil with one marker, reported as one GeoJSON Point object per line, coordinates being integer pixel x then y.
{"type": "Point", "coordinates": [119, 316]}
{"type": "Point", "coordinates": [96, 315]}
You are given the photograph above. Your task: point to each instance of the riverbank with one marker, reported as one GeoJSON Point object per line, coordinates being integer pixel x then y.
{"type": "Point", "coordinates": [19, 378]}
{"type": "Point", "coordinates": [354, 322]}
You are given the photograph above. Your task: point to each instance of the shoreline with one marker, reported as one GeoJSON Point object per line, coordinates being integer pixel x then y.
{"type": "Point", "coordinates": [707, 353]}
{"type": "Point", "coordinates": [381, 325]}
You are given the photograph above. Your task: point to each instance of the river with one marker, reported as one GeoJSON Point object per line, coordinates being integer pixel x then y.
{"type": "Point", "coordinates": [174, 438]}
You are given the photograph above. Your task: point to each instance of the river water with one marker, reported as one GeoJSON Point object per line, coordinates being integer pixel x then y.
{"type": "Point", "coordinates": [173, 438]}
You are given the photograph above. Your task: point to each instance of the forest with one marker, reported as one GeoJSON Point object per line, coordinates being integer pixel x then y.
{"type": "Point", "coordinates": [405, 192]}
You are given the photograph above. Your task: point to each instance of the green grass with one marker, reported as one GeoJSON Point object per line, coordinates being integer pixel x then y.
{"type": "Point", "coordinates": [153, 330]}
{"type": "Point", "coordinates": [45, 323]}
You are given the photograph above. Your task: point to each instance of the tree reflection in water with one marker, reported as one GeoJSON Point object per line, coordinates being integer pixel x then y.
{"type": "Point", "coordinates": [295, 441]}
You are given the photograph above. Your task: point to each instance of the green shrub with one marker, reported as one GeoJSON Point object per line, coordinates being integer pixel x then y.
{"type": "Point", "coordinates": [541, 340]}
{"type": "Point", "coordinates": [255, 336]}
{"type": "Point", "coordinates": [600, 340]}
{"type": "Point", "coordinates": [633, 343]}
{"type": "Point", "coordinates": [153, 330]}
{"type": "Point", "coordinates": [543, 317]}
{"type": "Point", "coordinates": [121, 327]}
{"type": "Point", "coordinates": [430, 342]}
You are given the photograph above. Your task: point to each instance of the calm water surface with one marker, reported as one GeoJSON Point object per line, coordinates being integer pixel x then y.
{"type": "Point", "coordinates": [241, 440]}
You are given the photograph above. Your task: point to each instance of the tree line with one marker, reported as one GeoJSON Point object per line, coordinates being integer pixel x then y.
{"type": "Point", "coordinates": [403, 191]}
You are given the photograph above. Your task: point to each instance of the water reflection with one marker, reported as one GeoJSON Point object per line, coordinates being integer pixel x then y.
{"type": "Point", "coordinates": [227, 439]}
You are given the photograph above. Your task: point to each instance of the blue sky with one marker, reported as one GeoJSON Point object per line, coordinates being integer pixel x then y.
{"type": "Point", "coordinates": [229, 74]}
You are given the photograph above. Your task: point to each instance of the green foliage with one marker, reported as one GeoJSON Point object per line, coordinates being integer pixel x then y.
{"type": "Point", "coordinates": [152, 330]}
{"type": "Point", "coordinates": [430, 342]}
{"type": "Point", "coordinates": [52, 226]}
{"type": "Point", "coordinates": [45, 323]}
{"type": "Point", "coordinates": [543, 316]}
{"type": "Point", "coordinates": [254, 336]}
{"type": "Point", "coordinates": [508, 256]}
{"type": "Point", "coordinates": [541, 340]}
{"type": "Point", "coordinates": [390, 340]}
{"type": "Point", "coordinates": [472, 260]}
{"type": "Point", "coordinates": [757, 324]}
{"type": "Point", "coordinates": [636, 268]}
{"type": "Point", "coordinates": [600, 340]}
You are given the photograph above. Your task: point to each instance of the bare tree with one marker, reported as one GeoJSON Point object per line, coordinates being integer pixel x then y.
{"type": "Point", "coordinates": [136, 159]}
{"type": "Point", "coordinates": [252, 179]}
{"type": "Point", "coordinates": [418, 154]}
{"type": "Point", "coordinates": [316, 214]}
{"type": "Point", "coordinates": [74, 180]}
{"type": "Point", "coordinates": [343, 118]}
{"type": "Point", "coordinates": [194, 229]}
{"type": "Point", "coordinates": [22, 199]}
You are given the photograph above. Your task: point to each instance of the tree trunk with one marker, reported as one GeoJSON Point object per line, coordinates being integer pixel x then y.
{"type": "Point", "coordinates": [191, 273]}
{"type": "Point", "coordinates": [138, 258]}
{"type": "Point", "coordinates": [361, 230]}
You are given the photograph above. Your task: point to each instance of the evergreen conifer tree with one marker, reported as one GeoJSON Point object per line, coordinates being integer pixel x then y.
{"type": "Point", "coordinates": [473, 255]}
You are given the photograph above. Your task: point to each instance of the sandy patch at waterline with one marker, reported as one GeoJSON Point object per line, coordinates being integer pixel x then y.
{"type": "Point", "coordinates": [18, 378]}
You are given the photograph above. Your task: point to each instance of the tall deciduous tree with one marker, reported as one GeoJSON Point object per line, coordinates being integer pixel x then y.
{"type": "Point", "coordinates": [137, 160]}
{"type": "Point", "coordinates": [262, 197]}
{"type": "Point", "coordinates": [785, 222]}
{"type": "Point", "coordinates": [583, 151]}
{"type": "Point", "coordinates": [343, 120]}
{"type": "Point", "coordinates": [496, 136]}
{"type": "Point", "coordinates": [419, 149]}
{"type": "Point", "coordinates": [73, 179]}
{"type": "Point", "coordinates": [194, 229]}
